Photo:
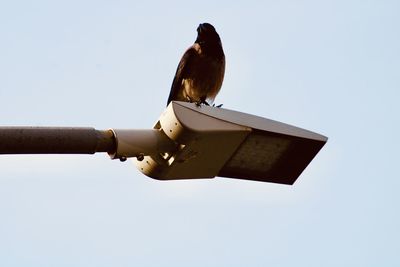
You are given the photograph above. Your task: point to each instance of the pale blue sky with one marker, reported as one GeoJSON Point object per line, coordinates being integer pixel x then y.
{"type": "Point", "coordinates": [332, 67]}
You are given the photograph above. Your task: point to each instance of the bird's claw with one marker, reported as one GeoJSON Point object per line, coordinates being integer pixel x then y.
{"type": "Point", "coordinates": [218, 106]}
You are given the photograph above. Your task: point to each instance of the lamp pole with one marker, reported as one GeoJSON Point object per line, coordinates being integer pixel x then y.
{"type": "Point", "coordinates": [55, 140]}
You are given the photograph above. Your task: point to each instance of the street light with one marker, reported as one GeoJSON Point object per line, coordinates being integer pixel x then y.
{"type": "Point", "coordinates": [187, 142]}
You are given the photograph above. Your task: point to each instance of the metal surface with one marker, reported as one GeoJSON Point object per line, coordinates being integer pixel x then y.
{"type": "Point", "coordinates": [139, 143]}
{"type": "Point", "coordinates": [187, 142]}
{"type": "Point", "coordinates": [55, 140]}
{"type": "Point", "coordinates": [220, 142]}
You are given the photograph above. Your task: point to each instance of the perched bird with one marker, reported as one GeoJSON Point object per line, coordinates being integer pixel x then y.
{"type": "Point", "coordinates": [201, 70]}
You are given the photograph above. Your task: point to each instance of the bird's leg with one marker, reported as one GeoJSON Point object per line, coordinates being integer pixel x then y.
{"type": "Point", "coordinates": [202, 100]}
{"type": "Point", "coordinates": [198, 103]}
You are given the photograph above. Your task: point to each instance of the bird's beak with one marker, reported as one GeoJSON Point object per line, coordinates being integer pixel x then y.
{"type": "Point", "coordinates": [200, 28]}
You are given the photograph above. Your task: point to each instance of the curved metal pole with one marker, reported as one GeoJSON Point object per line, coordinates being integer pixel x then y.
{"type": "Point", "coordinates": [55, 140]}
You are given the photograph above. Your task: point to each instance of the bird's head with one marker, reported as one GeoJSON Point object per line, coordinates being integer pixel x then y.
{"type": "Point", "coordinates": [206, 34]}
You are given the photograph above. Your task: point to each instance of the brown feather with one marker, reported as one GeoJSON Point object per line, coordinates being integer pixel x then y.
{"type": "Point", "coordinates": [200, 72]}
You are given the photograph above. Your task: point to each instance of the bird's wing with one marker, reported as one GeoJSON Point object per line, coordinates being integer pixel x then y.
{"type": "Point", "coordinates": [182, 72]}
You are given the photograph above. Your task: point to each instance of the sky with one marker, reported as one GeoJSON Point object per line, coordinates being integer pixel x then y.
{"type": "Point", "coordinates": [331, 67]}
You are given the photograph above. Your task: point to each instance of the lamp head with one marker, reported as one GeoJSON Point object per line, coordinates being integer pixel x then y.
{"type": "Point", "coordinates": [211, 142]}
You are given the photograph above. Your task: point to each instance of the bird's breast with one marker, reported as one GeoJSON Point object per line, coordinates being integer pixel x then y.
{"type": "Point", "coordinates": [205, 79]}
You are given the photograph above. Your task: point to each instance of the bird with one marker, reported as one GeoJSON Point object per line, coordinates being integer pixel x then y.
{"type": "Point", "coordinates": [201, 70]}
